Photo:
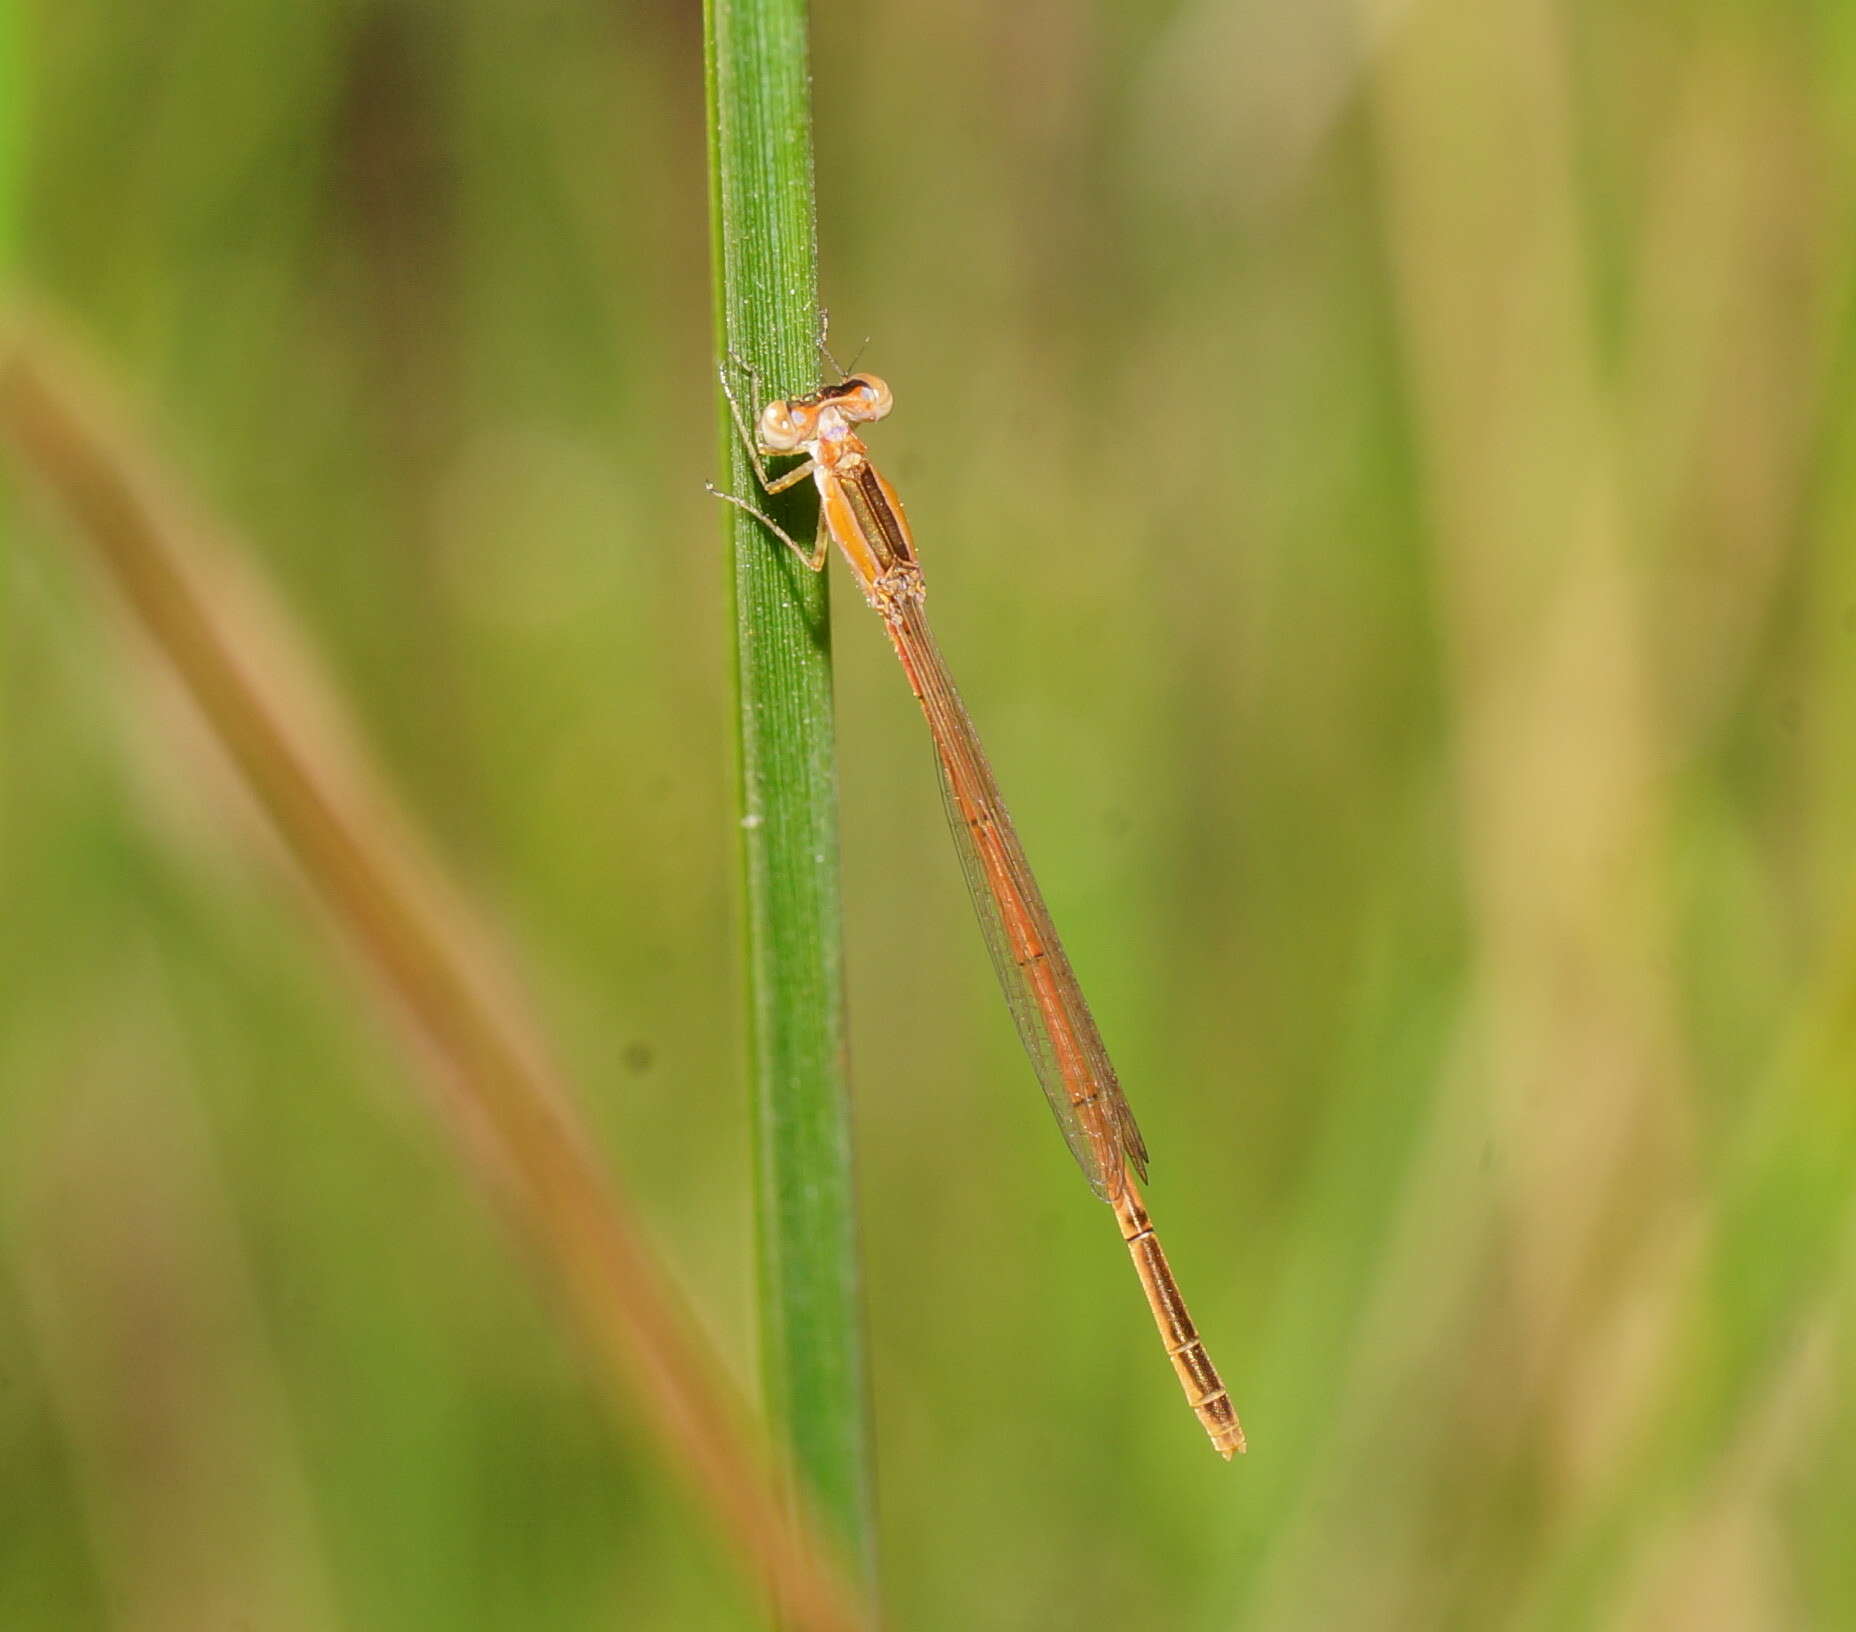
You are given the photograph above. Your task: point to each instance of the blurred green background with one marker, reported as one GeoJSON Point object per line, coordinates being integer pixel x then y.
{"type": "Point", "coordinates": [1385, 475]}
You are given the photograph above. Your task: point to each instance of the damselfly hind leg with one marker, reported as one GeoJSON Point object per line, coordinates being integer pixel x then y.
{"type": "Point", "coordinates": [813, 558]}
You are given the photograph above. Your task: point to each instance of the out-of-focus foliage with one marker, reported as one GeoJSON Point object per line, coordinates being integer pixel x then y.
{"type": "Point", "coordinates": [1384, 474]}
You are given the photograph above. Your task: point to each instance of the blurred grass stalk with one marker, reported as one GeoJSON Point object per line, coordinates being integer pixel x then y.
{"type": "Point", "coordinates": [766, 311]}
{"type": "Point", "coordinates": [1565, 743]}
{"type": "Point", "coordinates": [1575, 1059]}
{"type": "Point", "coordinates": [254, 686]}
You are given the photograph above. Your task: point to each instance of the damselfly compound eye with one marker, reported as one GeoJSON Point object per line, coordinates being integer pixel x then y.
{"type": "Point", "coordinates": [872, 396]}
{"type": "Point", "coordinates": [781, 430]}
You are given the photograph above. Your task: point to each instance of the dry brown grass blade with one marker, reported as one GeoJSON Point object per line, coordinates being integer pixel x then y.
{"type": "Point", "coordinates": [365, 866]}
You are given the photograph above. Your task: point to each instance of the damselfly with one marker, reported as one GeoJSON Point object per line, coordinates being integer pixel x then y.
{"type": "Point", "coordinates": [863, 515]}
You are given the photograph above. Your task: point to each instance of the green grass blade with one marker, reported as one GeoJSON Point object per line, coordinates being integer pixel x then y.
{"type": "Point", "coordinates": [766, 312]}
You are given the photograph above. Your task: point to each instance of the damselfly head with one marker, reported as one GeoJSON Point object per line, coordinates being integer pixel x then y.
{"type": "Point", "coordinates": [788, 423]}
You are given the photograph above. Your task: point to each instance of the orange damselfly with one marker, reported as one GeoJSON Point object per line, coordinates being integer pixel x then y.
{"type": "Point", "coordinates": [863, 515]}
